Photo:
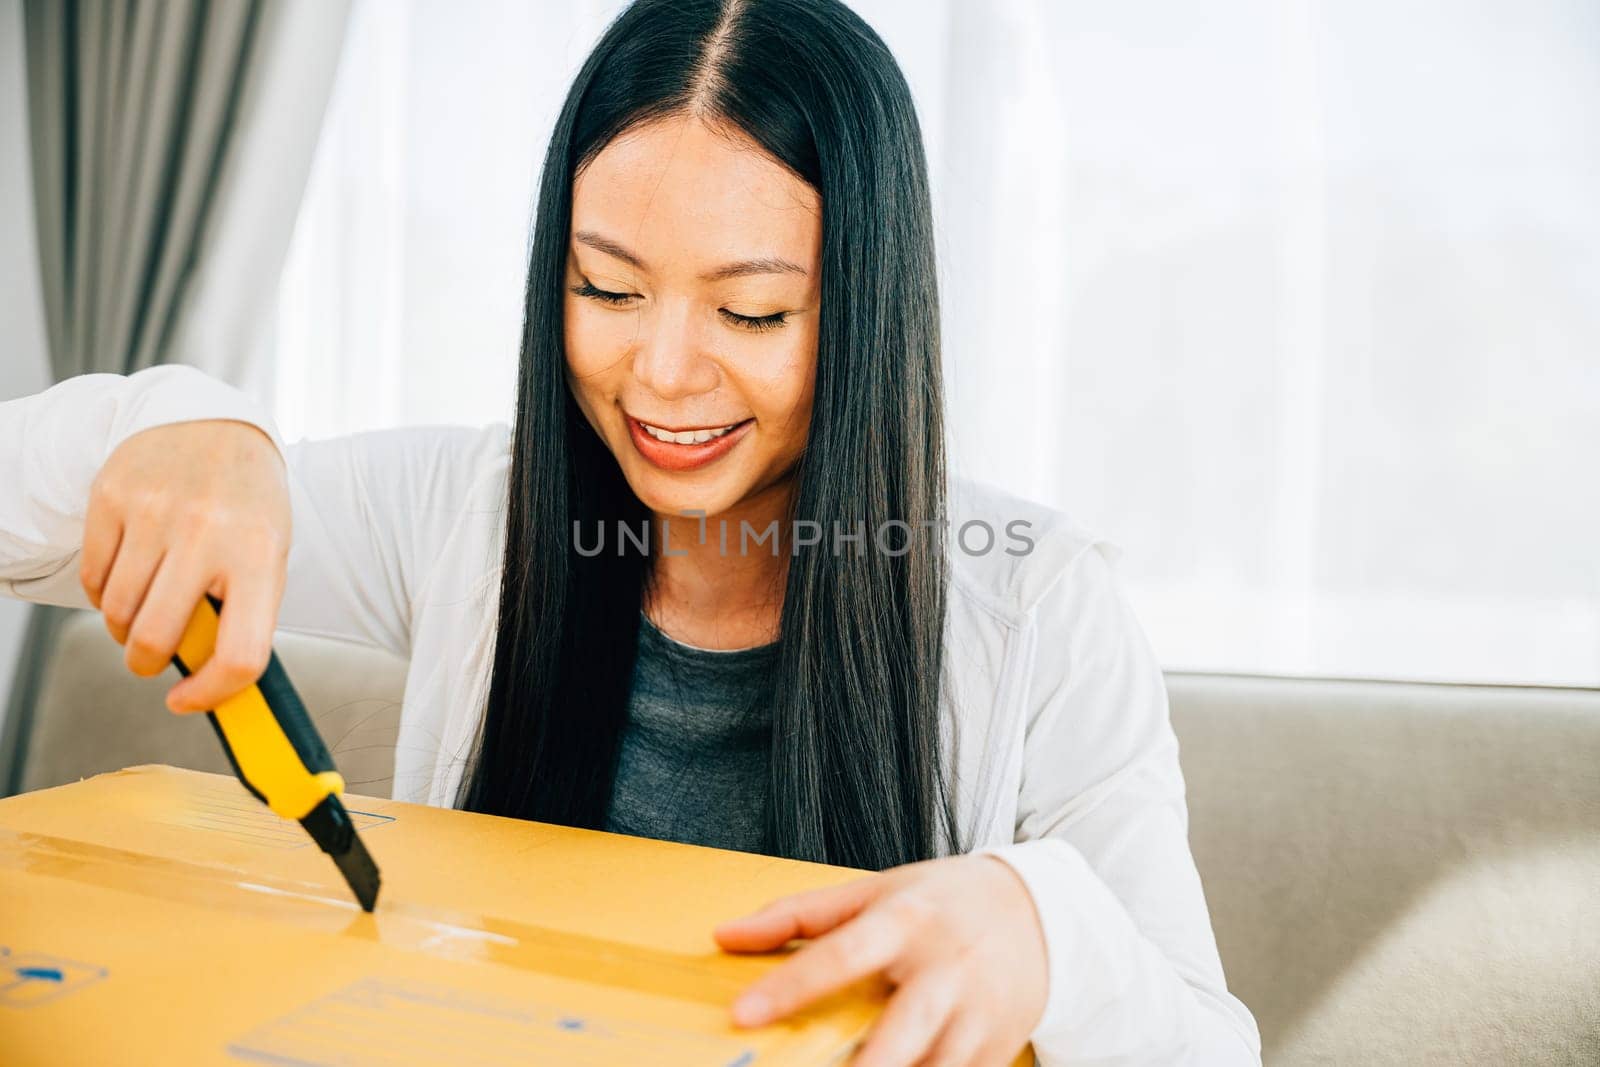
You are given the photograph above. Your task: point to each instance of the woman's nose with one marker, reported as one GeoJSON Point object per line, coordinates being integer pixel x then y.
{"type": "Point", "coordinates": [671, 359]}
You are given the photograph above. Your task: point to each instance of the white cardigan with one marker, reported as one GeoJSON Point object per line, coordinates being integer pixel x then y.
{"type": "Point", "coordinates": [1065, 763]}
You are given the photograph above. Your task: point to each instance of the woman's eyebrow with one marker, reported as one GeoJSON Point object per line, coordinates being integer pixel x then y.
{"type": "Point", "coordinates": [609, 247]}
{"type": "Point", "coordinates": [743, 268]}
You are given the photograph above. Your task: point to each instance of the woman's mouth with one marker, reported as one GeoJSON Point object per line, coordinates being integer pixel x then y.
{"type": "Point", "coordinates": [679, 448]}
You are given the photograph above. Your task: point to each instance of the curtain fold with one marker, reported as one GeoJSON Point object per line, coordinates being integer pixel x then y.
{"type": "Point", "coordinates": [170, 142]}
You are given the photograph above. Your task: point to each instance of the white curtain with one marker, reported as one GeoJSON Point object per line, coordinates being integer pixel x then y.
{"type": "Point", "coordinates": [1298, 301]}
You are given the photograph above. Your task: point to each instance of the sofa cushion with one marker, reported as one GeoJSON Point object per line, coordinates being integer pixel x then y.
{"type": "Point", "coordinates": [94, 715]}
{"type": "Point", "coordinates": [1401, 874]}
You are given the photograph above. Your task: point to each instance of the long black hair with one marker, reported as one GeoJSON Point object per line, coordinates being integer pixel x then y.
{"type": "Point", "coordinates": [857, 775]}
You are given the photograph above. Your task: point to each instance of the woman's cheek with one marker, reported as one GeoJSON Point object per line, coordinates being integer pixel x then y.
{"type": "Point", "coordinates": [596, 340]}
{"type": "Point", "coordinates": [786, 391]}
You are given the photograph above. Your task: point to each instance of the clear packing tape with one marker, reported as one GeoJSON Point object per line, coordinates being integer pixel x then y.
{"type": "Point", "coordinates": [194, 926]}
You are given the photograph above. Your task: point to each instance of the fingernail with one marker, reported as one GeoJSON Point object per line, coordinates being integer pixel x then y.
{"type": "Point", "coordinates": [751, 1009]}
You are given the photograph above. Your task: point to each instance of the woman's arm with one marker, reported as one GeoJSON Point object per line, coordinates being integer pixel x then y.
{"type": "Point", "coordinates": [52, 446]}
{"type": "Point", "coordinates": [1087, 936]}
{"type": "Point", "coordinates": [370, 511]}
{"type": "Point", "coordinates": [1102, 830]}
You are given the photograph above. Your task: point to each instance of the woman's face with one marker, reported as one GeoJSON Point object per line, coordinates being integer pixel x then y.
{"type": "Point", "coordinates": [693, 283]}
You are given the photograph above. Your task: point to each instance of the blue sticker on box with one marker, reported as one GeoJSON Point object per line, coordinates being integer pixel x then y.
{"type": "Point", "coordinates": [29, 979]}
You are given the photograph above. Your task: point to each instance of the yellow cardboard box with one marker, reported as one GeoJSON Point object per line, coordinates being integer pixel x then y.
{"type": "Point", "coordinates": [158, 915]}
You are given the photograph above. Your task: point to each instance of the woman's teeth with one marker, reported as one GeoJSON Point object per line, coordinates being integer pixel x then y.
{"type": "Point", "coordinates": [685, 437]}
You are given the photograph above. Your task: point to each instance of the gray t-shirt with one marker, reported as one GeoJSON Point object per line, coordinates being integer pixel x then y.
{"type": "Point", "coordinates": [695, 751]}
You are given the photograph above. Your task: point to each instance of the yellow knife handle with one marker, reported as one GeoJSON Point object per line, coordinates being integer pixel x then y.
{"type": "Point", "coordinates": [269, 738]}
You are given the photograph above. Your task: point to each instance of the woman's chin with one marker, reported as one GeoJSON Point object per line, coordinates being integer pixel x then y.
{"type": "Point", "coordinates": [676, 492]}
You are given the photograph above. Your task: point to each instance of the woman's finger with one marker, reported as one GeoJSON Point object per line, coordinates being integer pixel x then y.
{"type": "Point", "coordinates": [134, 568]}
{"type": "Point", "coordinates": [164, 615]}
{"type": "Point", "coordinates": [102, 535]}
{"type": "Point", "coordinates": [862, 947]}
{"type": "Point", "coordinates": [961, 1043]}
{"type": "Point", "coordinates": [810, 914]}
{"type": "Point", "coordinates": [915, 1018]}
{"type": "Point", "coordinates": [244, 645]}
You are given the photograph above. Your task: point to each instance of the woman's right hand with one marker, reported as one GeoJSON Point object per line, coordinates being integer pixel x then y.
{"type": "Point", "coordinates": [176, 512]}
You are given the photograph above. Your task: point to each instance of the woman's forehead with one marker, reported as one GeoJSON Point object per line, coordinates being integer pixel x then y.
{"type": "Point", "coordinates": [698, 196]}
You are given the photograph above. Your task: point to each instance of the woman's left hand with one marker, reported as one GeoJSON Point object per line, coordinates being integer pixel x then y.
{"type": "Point", "coordinates": [958, 938]}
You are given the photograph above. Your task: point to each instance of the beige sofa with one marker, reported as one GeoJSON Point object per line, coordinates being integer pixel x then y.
{"type": "Point", "coordinates": [1398, 874]}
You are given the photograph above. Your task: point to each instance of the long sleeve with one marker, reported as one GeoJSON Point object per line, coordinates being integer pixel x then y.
{"type": "Point", "coordinates": [373, 512]}
{"type": "Point", "coordinates": [1102, 845]}
{"type": "Point", "coordinates": [370, 511]}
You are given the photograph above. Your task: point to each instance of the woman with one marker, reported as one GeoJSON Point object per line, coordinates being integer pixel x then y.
{"type": "Point", "coordinates": [712, 586]}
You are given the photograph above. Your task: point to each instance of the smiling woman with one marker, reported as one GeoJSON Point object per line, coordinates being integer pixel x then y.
{"type": "Point", "coordinates": [696, 340]}
{"type": "Point", "coordinates": [730, 315]}
{"type": "Point", "coordinates": [695, 267]}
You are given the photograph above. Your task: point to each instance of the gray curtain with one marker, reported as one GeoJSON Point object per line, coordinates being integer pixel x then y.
{"type": "Point", "coordinates": [131, 108]}
{"type": "Point", "coordinates": [171, 140]}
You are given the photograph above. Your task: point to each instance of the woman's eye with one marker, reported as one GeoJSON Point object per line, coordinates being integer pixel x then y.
{"type": "Point", "coordinates": [587, 288]}
{"type": "Point", "coordinates": [755, 322]}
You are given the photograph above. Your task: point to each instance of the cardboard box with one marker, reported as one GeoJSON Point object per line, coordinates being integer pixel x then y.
{"type": "Point", "coordinates": [158, 915]}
